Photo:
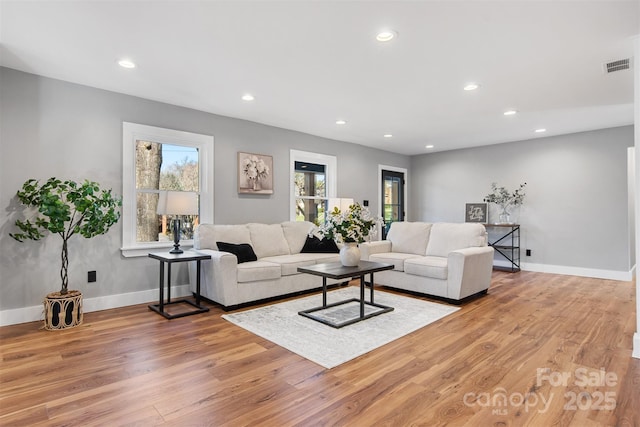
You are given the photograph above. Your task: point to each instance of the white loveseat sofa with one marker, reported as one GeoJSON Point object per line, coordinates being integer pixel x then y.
{"type": "Point", "coordinates": [447, 260]}
{"type": "Point", "coordinates": [275, 272]}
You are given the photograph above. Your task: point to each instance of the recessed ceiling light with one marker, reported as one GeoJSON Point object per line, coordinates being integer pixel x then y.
{"type": "Point", "coordinates": [125, 63]}
{"type": "Point", "coordinates": [387, 135]}
{"type": "Point", "coordinates": [341, 122]}
{"type": "Point", "coordinates": [471, 86]}
{"type": "Point", "coordinates": [540, 130]}
{"type": "Point", "coordinates": [386, 35]}
{"type": "Point", "coordinates": [428, 146]}
{"type": "Point", "coordinates": [510, 112]}
{"type": "Point", "coordinates": [247, 97]}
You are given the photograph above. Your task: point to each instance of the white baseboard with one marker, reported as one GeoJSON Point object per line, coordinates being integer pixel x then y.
{"type": "Point", "coordinates": [625, 276]}
{"type": "Point", "coordinates": [35, 313]}
{"type": "Point", "coordinates": [636, 345]}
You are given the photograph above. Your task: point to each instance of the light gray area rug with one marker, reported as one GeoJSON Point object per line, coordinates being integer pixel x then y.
{"type": "Point", "coordinates": [330, 347]}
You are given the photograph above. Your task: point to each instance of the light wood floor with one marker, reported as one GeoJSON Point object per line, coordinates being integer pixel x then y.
{"type": "Point", "coordinates": [129, 366]}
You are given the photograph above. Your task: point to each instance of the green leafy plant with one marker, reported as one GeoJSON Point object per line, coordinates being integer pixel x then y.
{"type": "Point", "coordinates": [66, 208]}
{"type": "Point", "coordinates": [350, 226]}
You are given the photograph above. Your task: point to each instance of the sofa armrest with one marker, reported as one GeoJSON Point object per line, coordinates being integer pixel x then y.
{"type": "Point", "coordinates": [218, 277]}
{"type": "Point", "coordinates": [369, 248]}
{"type": "Point", "coordinates": [469, 271]}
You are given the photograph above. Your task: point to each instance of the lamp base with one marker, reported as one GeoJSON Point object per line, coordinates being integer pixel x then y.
{"type": "Point", "coordinates": [176, 238]}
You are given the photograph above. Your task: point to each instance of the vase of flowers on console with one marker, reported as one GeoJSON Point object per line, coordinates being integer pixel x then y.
{"type": "Point", "coordinates": [350, 228]}
{"type": "Point", "coordinates": [505, 200]}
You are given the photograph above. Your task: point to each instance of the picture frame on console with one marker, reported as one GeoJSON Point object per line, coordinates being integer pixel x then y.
{"type": "Point", "coordinates": [476, 212]}
{"type": "Point", "coordinates": [255, 173]}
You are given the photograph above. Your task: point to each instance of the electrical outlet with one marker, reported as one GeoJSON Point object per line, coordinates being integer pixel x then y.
{"type": "Point", "coordinates": [528, 252]}
{"type": "Point", "coordinates": [365, 203]}
{"type": "Point", "coordinates": [91, 276]}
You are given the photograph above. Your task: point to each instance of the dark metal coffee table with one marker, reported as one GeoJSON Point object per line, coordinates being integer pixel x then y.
{"type": "Point", "coordinates": [337, 271]}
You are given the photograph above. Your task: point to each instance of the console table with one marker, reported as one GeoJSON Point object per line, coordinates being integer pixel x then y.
{"type": "Point", "coordinates": [507, 243]}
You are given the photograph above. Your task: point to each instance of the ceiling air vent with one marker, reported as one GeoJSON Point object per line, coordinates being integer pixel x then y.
{"type": "Point", "coordinates": [619, 65]}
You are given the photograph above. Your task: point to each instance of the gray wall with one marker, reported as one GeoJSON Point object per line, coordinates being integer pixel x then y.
{"type": "Point", "coordinates": [53, 128]}
{"type": "Point", "coordinates": [576, 210]}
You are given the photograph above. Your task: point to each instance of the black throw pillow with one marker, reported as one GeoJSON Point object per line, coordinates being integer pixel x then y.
{"type": "Point", "coordinates": [243, 251]}
{"type": "Point", "coordinates": [317, 246]}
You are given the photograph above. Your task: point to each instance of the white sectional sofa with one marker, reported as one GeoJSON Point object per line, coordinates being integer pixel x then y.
{"type": "Point", "coordinates": [277, 248]}
{"type": "Point", "coordinates": [447, 260]}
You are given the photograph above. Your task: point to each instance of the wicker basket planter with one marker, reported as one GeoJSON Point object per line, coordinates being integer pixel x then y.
{"type": "Point", "coordinates": [62, 311]}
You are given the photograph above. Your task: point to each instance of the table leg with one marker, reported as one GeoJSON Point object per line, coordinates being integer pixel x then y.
{"type": "Point", "coordinates": [198, 282]}
{"type": "Point", "coordinates": [371, 280]}
{"type": "Point", "coordinates": [168, 283]}
{"type": "Point", "coordinates": [324, 292]}
{"type": "Point", "coordinates": [362, 296]}
{"type": "Point", "coordinates": [161, 297]}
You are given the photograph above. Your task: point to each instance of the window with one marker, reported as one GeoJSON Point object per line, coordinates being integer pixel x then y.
{"type": "Point", "coordinates": [313, 182]}
{"type": "Point", "coordinates": [310, 191]}
{"type": "Point", "coordinates": [156, 160]}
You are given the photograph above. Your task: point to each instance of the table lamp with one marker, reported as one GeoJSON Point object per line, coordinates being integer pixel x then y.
{"type": "Point", "coordinates": [177, 203]}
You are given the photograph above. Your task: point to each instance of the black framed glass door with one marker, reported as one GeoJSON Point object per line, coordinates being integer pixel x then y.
{"type": "Point", "coordinates": [392, 199]}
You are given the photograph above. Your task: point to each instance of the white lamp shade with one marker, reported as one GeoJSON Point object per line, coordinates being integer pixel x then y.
{"type": "Point", "coordinates": [178, 203]}
{"type": "Point", "coordinates": [342, 204]}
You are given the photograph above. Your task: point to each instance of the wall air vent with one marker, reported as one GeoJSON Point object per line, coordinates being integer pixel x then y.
{"type": "Point", "coordinates": [619, 65]}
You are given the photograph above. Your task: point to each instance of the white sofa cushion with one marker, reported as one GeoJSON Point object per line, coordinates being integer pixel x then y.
{"type": "Point", "coordinates": [324, 258]}
{"type": "Point", "coordinates": [268, 240]}
{"type": "Point", "coordinates": [258, 270]}
{"type": "Point", "coordinates": [397, 259]}
{"type": "Point", "coordinates": [290, 263]}
{"type": "Point", "coordinates": [428, 266]}
{"type": "Point", "coordinates": [208, 235]}
{"type": "Point", "coordinates": [409, 237]}
{"type": "Point", "coordinates": [447, 237]}
{"type": "Point", "coordinates": [296, 233]}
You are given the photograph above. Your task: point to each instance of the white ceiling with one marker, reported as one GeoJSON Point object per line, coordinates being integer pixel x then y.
{"type": "Point", "coordinates": [309, 63]}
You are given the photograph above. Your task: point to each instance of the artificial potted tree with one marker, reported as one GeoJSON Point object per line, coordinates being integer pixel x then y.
{"type": "Point", "coordinates": [65, 208]}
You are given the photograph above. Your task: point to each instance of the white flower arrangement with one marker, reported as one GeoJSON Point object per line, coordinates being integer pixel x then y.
{"type": "Point", "coordinates": [351, 226]}
{"type": "Point", "coordinates": [501, 196]}
{"type": "Point", "coordinates": [255, 168]}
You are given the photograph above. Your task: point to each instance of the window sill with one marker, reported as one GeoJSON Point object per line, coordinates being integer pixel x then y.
{"type": "Point", "coordinates": [143, 250]}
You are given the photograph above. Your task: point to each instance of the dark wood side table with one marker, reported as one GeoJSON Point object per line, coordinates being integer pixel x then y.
{"type": "Point", "coordinates": [338, 271]}
{"type": "Point", "coordinates": [169, 258]}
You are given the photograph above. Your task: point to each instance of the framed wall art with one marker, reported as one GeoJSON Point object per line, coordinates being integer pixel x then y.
{"type": "Point", "coordinates": [476, 212]}
{"type": "Point", "coordinates": [255, 173]}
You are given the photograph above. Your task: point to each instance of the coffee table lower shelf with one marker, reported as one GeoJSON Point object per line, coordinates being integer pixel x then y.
{"type": "Point", "coordinates": [310, 312]}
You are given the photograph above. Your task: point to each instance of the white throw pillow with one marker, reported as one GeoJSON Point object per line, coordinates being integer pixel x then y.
{"type": "Point", "coordinates": [203, 237]}
{"type": "Point", "coordinates": [206, 236]}
{"type": "Point", "coordinates": [268, 240]}
{"type": "Point", "coordinates": [409, 237]}
{"type": "Point", "coordinates": [448, 237]}
{"type": "Point", "coordinates": [296, 233]}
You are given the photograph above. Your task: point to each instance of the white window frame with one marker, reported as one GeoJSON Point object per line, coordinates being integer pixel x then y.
{"type": "Point", "coordinates": [330, 172]}
{"type": "Point", "coordinates": [132, 132]}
